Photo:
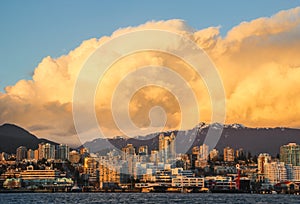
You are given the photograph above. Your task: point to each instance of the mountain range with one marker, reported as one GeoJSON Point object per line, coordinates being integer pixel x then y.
{"type": "Point", "coordinates": [254, 140]}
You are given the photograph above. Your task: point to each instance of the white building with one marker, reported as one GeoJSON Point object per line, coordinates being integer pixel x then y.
{"type": "Point", "coordinates": [296, 173]}
{"type": "Point", "coordinates": [182, 181]}
{"type": "Point", "coordinates": [275, 172]}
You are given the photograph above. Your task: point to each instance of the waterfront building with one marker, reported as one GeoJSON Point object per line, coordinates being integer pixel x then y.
{"type": "Point", "coordinates": [220, 183]}
{"type": "Point", "coordinates": [45, 174]}
{"type": "Point", "coordinates": [290, 154]}
{"type": "Point", "coordinates": [163, 177]}
{"type": "Point", "coordinates": [12, 183]}
{"type": "Point", "coordinates": [275, 172]}
{"type": "Point", "coordinates": [108, 174]}
{"type": "Point", "coordinates": [296, 173]}
{"type": "Point", "coordinates": [47, 178]}
{"type": "Point", "coordinates": [183, 181]}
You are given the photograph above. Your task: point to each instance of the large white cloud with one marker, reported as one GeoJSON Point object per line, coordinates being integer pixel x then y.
{"type": "Point", "coordinates": [259, 63]}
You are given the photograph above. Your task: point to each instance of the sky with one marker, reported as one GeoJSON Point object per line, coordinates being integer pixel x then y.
{"type": "Point", "coordinates": [32, 30]}
{"type": "Point", "coordinates": [44, 45]}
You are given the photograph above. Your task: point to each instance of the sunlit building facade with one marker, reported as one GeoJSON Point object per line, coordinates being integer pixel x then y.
{"type": "Point", "coordinates": [228, 154]}
{"type": "Point", "coordinates": [290, 154]}
{"type": "Point", "coordinates": [21, 153]}
{"type": "Point", "coordinates": [275, 172]}
{"type": "Point", "coordinates": [167, 147]}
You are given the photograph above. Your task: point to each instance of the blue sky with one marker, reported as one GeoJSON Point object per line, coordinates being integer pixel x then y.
{"type": "Point", "coordinates": [31, 30]}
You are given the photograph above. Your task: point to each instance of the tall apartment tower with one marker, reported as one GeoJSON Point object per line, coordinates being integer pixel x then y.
{"type": "Point", "coordinates": [167, 147]}
{"type": "Point", "coordinates": [263, 159]}
{"type": "Point", "coordinates": [203, 152]}
{"type": "Point", "coordinates": [228, 154]}
{"type": "Point", "coordinates": [290, 154]}
{"type": "Point", "coordinates": [21, 153]}
{"type": "Point", "coordinates": [62, 152]}
{"type": "Point", "coordinates": [275, 172]}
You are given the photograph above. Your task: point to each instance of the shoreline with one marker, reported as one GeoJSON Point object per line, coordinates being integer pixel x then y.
{"type": "Point", "coordinates": [138, 191]}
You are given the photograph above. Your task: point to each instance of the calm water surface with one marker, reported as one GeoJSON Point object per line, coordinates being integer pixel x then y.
{"type": "Point", "coordinates": [133, 198]}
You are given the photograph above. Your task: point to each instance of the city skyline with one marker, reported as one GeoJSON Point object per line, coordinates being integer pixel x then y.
{"type": "Point", "coordinates": [139, 171]}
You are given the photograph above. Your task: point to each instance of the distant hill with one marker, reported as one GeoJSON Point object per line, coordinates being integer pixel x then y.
{"type": "Point", "coordinates": [254, 140]}
{"type": "Point", "coordinates": [12, 136]}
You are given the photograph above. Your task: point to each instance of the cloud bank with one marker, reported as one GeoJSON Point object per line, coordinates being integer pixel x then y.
{"type": "Point", "coordinates": [258, 61]}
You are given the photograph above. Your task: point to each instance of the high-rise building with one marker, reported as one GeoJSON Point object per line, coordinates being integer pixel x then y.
{"type": "Point", "coordinates": [62, 152]}
{"type": "Point", "coordinates": [228, 154]}
{"type": "Point", "coordinates": [167, 147]}
{"type": "Point", "coordinates": [203, 152]}
{"type": "Point", "coordinates": [3, 156]}
{"type": "Point", "coordinates": [30, 154]}
{"type": "Point", "coordinates": [275, 172]}
{"type": "Point", "coordinates": [46, 151]}
{"type": "Point", "coordinates": [290, 154]}
{"type": "Point", "coordinates": [296, 173]}
{"type": "Point", "coordinates": [143, 150]}
{"type": "Point", "coordinates": [41, 151]}
{"type": "Point", "coordinates": [154, 156]}
{"type": "Point", "coordinates": [21, 153]}
{"type": "Point", "coordinates": [108, 173]}
{"type": "Point", "coordinates": [239, 153]}
{"type": "Point", "coordinates": [263, 159]}
{"type": "Point", "coordinates": [129, 156]}
{"type": "Point", "coordinates": [128, 150]}
{"type": "Point", "coordinates": [90, 165]}
{"type": "Point", "coordinates": [213, 154]}
{"type": "Point", "coordinates": [49, 151]}
{"type": "Point", "coordinates": [36, 154]}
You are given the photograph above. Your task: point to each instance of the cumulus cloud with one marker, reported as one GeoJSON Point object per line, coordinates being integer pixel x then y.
{"type": "Point", "coordinates": [258, 61]}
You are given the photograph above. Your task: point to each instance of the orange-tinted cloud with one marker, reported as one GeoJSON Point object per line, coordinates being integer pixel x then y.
{"type": "Point", "coordinates": [258, 61]}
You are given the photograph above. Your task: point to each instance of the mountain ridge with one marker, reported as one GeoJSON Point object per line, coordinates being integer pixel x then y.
{"type": "Point", "coordinates": [13, 136]}
{"type": "Point", "coordinates": [254, 140]}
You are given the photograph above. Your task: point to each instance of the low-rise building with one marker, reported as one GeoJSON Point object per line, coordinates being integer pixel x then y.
{"type": "Point", "coordinates": [183, 181]}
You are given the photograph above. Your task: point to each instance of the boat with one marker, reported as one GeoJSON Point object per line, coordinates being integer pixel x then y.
{"type": "Point", "coordinates": [76, 188]}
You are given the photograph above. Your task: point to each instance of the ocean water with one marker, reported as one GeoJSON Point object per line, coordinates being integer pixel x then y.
{"type": "Point", "coordinates": [154, 198]}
